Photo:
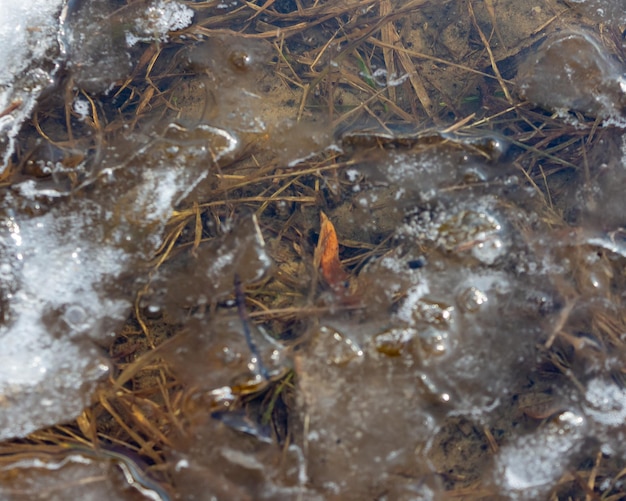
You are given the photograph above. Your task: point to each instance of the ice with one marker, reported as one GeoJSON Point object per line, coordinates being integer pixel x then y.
{"type": "Point", "coordinates": [456, 333]}
{"type": "Point", "coordinates": [73, 258]}
{"type": "Point", "coordinates": [72, 273]}
{"type": "Point", "coordinates": [474, 231]}
{"type": "Point", "coordinates": [571, 71]}
{"type": "Point", "coordinates": [453, 339]}
{"type": "Point", "coordinates": [528, 467]}
{"type": "Point", "coordinates": [96, 36]}
{"type": "Point", "coordinates": [76, 241]}
{"type": "Point", "coordinates": [240, 467]}
{"type": "Point", "coordinates": [365, 420]}
{"type": "Point", "coordinates": [606, 11]}
{"type": "Point", "coordinates": [468, 293]}
{"type": "Point", "coordinates": [159, 18]}
{"type": "Point", "coordinates": [606, 402]}
{"type": "Point", "coordinates": [221, 345]}
{"type": "Point", "coordinates": [456, 316]}
{"type": "Point", "coordinates": [27, 63]}
{"type": "Point", "coordinates": [49, 290]}
{"type": "Point", "coordinates": [61, 474]}
{"type": "Point", "coordinates": [40, 36]}
{"type": "Point", "coordinates": [207, 274]}
{"type": "Point", "coordinates": [56, 478]}
{"type": "Point", "coordinates": [600, 204]}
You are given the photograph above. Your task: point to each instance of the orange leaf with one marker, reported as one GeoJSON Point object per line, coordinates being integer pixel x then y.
{"type": "Point", "coordinates": [327, 255]}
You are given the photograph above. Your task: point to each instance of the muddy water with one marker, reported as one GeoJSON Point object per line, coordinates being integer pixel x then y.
{"type": "Point", "coordinates": [161, 225]}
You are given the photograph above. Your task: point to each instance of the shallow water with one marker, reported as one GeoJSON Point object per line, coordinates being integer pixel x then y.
{"type": "Point", "coordinates": [161, 226]}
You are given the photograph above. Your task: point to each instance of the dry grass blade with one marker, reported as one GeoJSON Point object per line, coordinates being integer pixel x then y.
{"type": "Point", "coordinates": [145, 447]}
{"type": "Point", "coordinates": [435, 59]}
{"type": "Point", "coordinates": [389, 37]}
{"type": "Point", "coordinates": [494, 65]}
{"type": "Point", "coordinates": [13, 106]}
{"type": "Point", "coordinates": [410, 69]}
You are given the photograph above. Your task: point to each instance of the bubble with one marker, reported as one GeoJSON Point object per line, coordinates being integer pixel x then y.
{"type": "Point", "coordinates": [392, 342]}
{"type": "Point", "coordinates": [471, 299]}
{"type": "Point", "coordinates": [240, 60]}
{"type": "Point", "coordinates": [433, 313]}
{"type": "Point", "coordinates": [153, 311]}
{"type": "Point", "coordinates": [75, 316]}
{"type": "Point", "coordinates": [341, 349]}
{"type": "Point", "coordinates": [434, 342]}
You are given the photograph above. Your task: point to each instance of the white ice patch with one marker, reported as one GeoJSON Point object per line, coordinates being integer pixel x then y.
{"type": "Point", "coordinates": [53, 268]}
{"type": "Point", "coordinates": [81, 108]}
{"type": "Point", "coordinates": [528, 467]}
{"type": "Point", "coordinates": [155, 202]}
{"type": "Point", "coordinates": [28, 61]}
{"type": "Point", "coordinates": [606, 402]}
{"type": "Point", "coordinates": [159, 19]}
{"type": "Point", "coordinates": [469, 229]}
{"type": "Point", "coordinates": [67, 279]}
{"type": "Point", "coordinates": [413, 296]}
{"type": "Point", "coordinates": [476, 291]}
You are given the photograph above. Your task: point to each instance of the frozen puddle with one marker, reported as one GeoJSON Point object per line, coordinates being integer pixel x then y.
{"type": "Point", "coordinates": [475, 335]}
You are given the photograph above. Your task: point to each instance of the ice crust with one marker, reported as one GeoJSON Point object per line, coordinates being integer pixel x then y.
{"type": "Point", "coordinates": [571, 72]}
{"type": "Point", "coordinates": [59, 478]}
{"type": "Point", "coordinates": [449, 331]}
{"type": "Point", "coordinates": [528, 468]}
{"type": "Point", "coordinates": [466, 331]}
{"type": "Point", "coordinates": [158, 20]}
{"type": "Point", "coordinates": [608, 11]}
{"type": "Point", "coordinates": [27, 63]}
{"type": "Point", "coordinates": [72, 259]}
{"type": "Point", "coordinates": [67, 282]}
{"type": "Point", "coordinates": [40, 36]}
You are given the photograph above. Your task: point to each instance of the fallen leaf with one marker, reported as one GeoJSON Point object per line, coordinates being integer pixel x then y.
{"type": "Point", "coordinates": [327, 255]}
